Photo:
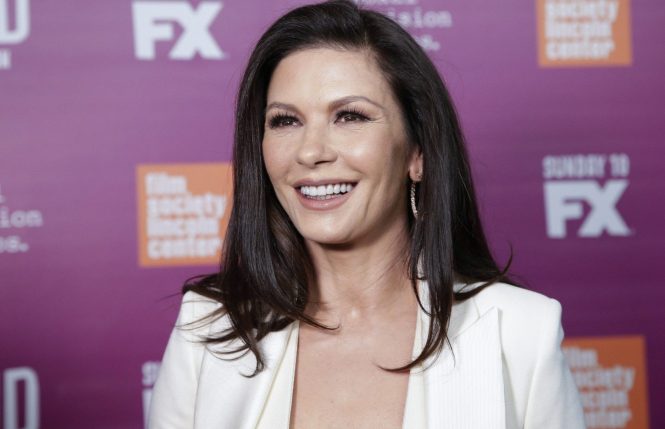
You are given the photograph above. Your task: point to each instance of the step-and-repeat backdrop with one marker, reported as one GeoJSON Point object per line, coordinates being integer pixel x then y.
{"type": "Point", "coordinates": [115, 141]}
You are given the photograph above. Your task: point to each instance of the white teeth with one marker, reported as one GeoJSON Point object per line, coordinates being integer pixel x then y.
{"type": "Point", "coordinates": [326, 191]}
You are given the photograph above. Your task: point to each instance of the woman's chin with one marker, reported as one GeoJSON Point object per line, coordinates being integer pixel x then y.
{"type": "Point", "coordinates": [324, 238]}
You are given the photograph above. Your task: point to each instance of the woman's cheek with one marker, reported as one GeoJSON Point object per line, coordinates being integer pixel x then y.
{"type": "Point", "coordinates": [272, 158]}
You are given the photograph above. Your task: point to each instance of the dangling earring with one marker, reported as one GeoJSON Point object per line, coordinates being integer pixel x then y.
{"type": "Point", "coordinates": [414, 210]}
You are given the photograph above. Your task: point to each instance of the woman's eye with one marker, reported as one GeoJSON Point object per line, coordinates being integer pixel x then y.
{"type": "Point", "coordinates": [351, 116]}
{"type": "Point", "coordinates": [280, 121]}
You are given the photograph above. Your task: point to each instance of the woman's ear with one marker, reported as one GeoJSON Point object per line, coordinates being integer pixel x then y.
{"type": "Point", "coordinates": [416, 165]}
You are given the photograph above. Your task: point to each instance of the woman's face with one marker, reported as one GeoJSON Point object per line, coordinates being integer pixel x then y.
{"type": "Point", "coordinates": [335, 147]}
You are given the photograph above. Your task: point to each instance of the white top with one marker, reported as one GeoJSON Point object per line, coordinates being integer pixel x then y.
{"type": "Point", "coordinates": [277, 410]}
{"type": "Point", "coordinates": [503, 368]}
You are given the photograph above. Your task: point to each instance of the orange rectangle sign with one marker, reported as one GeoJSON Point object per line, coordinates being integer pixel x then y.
{"type": "Point", "coordinates": [183, 211]}
{"type": "Point", "coordinates": [576, 33]}
{"type": "Point", "coordinates": [610, 373]}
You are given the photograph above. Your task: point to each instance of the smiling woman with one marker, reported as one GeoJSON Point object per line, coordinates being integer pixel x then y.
{"type": "Point", "coordinates": [356, 287]}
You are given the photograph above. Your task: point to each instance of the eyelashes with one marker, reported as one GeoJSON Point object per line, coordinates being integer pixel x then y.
{"type": "Point", "coordinates": [281, 120]}
{"type": "Point", "coordinates": [352, 115]}
{"type": "Point", "coordinates": [349, 115]}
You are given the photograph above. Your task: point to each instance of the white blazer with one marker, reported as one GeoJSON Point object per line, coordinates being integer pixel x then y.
{"type": "Point", "coordinates": [508, 370]}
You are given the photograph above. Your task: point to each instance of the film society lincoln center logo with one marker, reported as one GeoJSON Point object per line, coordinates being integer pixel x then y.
{"type": "Point", "coordinates": [574, 33]}
{"type": "Point", "coordinates": [183, 211]}
{"type": "Point", "coordinates": [611, 375]}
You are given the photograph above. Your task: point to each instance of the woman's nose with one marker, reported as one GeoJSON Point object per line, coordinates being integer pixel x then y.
{"type": "Point", "coordinates": [315, 147]}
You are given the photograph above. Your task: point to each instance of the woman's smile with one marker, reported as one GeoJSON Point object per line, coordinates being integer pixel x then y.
{"type": "Point", "coordinates": [326, 192]}
{"type": "Point", "coordinates": [327, 196]}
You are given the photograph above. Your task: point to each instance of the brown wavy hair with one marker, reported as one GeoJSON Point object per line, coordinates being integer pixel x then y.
{"type": "Point", "coordinates": [266, 272]}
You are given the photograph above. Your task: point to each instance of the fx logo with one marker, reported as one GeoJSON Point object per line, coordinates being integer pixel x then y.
{"type": "Point", "coordinates": [21, 28]}
{"type": "Point", "coordinates": [154, 21]}
{"type": "Point", "coordinates": [563, 201]}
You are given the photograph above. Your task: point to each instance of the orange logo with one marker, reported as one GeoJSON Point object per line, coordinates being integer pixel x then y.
{"type": "Point", "coordinates": [610, 373]}
{"type": "Point", "coordinates": [583, 33]}
{"type": "Point", "coordinates": [183, 210]}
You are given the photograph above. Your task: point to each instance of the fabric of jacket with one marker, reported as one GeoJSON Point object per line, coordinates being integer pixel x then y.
{"type": "Point", "coordinates": [506, 371]}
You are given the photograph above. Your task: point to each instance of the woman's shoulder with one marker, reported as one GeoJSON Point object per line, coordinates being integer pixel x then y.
{"type": "Point", "coordinates": [514, 302]}
{"type": "Point", "coordinates": [195, 310]}
{"type": "Point", "coordinates": [527, 320]}
{"type": "Point", "coordinates": [542, 389]}
{"type": "Point", "coordinates": [199, 301]}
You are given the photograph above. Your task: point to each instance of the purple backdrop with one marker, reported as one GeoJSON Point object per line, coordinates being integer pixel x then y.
{"type": "Point", "coordinates": [84, 100]}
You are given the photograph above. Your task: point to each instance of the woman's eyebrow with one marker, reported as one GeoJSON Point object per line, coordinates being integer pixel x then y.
{"type": "Point", "coordinates": [333, 105]}
{"type": "Point", "coordinates": [351, 98]}
{"type": "Point", "coordinates": [285, 106]}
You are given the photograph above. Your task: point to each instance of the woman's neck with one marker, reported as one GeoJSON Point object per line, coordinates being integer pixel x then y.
{"type": "Point", "coordinates": [362, 282]}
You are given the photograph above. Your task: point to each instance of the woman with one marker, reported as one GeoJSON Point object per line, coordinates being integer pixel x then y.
{"type": "Point", "coordinates": [357, 288]}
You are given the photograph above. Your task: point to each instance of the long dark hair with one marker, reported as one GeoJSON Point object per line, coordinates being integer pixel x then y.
{"type": "Point", "coordinates": [266, 271]}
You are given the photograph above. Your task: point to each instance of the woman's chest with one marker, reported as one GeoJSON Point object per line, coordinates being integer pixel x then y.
{"type": "Point", "coordinates": [348, 394]}
{"type": "Point", "coordinates": [343, 385]}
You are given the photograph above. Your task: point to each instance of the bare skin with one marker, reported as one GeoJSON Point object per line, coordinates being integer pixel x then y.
{"type": "Point", "coordinates": [339, 383]}
{"type": "Point", "coordinates": [331, 117]}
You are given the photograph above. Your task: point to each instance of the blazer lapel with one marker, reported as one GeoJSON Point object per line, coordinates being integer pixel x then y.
{"type": "Point", "coordinates": [464, 388]}
{"type": "Point", "coordinates": [239, 400]}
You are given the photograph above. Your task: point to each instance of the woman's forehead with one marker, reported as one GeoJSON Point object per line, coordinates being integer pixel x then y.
{"type": "Point", "coordinates": [323, 74]}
